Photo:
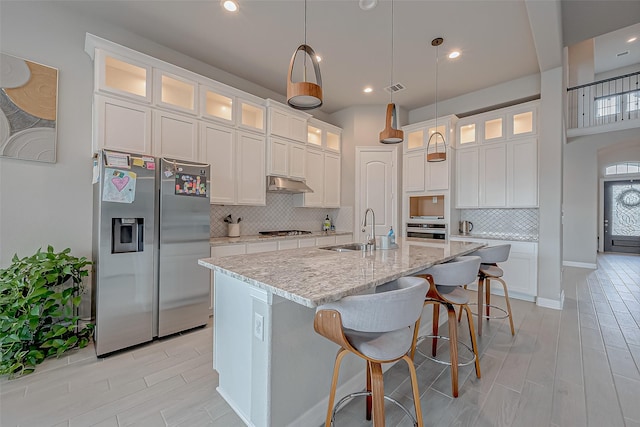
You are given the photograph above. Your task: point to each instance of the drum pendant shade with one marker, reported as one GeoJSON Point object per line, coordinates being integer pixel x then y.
{"type": "Point", "coordinates": [304, 95]}
{"type": "Point", "coordinates": [390, 134]}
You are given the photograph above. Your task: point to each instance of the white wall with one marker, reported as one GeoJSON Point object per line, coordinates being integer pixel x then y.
{"type": "Point", "coordinates": [41, 203]}
{"type": "Point", "coordinates": [524, 87]}
{"type": "Point", "coordinates": [581, 63]}
{"type": "Point", "coordinates": [550, 151]}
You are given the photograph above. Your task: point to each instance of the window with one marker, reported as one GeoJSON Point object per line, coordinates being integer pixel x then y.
{"type": "Point", "coordinates": [623, 168]}
{"type": "Point", "coordinates": [607, 106]}
{"type": "Point", "coordinates": [633, 101]}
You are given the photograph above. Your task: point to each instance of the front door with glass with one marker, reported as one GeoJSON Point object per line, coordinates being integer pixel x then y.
{"type": "Point", "coordinates": [622, 216]}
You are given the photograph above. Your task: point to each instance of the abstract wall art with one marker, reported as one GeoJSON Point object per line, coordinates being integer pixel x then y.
{"type": "Point", "coordinates": [28, 109]}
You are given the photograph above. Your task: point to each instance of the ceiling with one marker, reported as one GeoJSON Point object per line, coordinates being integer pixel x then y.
{"type": "Point", "coordinates": [257, 42]}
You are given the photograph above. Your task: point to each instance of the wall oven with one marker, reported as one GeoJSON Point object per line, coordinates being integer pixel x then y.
{"type": "Point", "coordinates": [425, 230]}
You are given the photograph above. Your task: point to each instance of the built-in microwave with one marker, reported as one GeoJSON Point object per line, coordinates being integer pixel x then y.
{"type": "Point", "coordinates": [425, 230]}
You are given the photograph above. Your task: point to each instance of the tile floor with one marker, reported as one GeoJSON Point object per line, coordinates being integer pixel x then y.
{"type": "Point", "coordinates": [575, 367]}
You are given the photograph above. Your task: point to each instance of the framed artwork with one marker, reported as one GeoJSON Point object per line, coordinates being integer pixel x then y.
{"type": "Point", "coordinates": [28, 109]}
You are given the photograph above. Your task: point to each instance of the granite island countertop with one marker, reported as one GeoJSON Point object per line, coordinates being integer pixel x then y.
{"type": "Point", "coordinates": [250, 238]}
{"type": "Point", "coordinates": [314, 276]}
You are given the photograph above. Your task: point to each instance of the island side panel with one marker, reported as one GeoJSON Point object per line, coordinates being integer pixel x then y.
{"type": "Point", "coordinates": [302, 366]}
{"type": "Point", "coordinates": [233, 341]}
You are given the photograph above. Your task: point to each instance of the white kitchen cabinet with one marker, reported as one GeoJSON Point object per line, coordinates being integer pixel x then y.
{"type": "Point", "coordinates": [254, 248]}
{"type": "Point", "coordinates": [286, 158]}
{"type": "Point", "coordinates": [287, 244]}
{"type": "Point", "coordinates": [307, 243]}
{"type": "Point", "coordinates": [414, 171]}
{"type": "Point", "coordinates": [323, 172]}
{"type": "Point", "coordinates": [343, 239]}
{"type": "Point", "coordinates": [251, 173]}
{"type": "Point", "coordinates": [467, 178]}
{"type": "Point", "coordinates": [237, 165]}
{"type": "Point", "coordinates": [287, 123]}
{"type": "Point", "coordinates": [122, 126]}
{"type": "Point", "coordinates": [520, 270]}
{"type": "Point", "coordinates": [220, 251]}
{"type": "Point", "coordinates": [250, 115]}
{"type": "Point", "coordinates": [119, 75]}
{"type": "Point", "coordinates": [522, 173]}
{"type": "Point", "coordinates": [522, 120]}
{"type": "Point", "coordinates": [325, 240]}
{"type": "Point", "coordinates": [314, 179]}
{"type": "Point", "coordinates": [493, 126]}
{"type": "Point", "coordinates": [175, 136]}
{"type": "Point", "coordinates": [492, 170]}
{"type": "Point", "coordinates": [217, 147]}
{"type": "Point", "coordinates": [331, 181]}
{"type": "Point", "coordinates": [175, 92]}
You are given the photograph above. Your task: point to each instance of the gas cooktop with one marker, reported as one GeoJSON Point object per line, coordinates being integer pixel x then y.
{"type": "Point", "coordinates": [283, 233]}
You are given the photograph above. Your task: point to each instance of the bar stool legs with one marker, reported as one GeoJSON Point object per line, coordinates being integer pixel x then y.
{"type": "Point", "coordinates": [481, 302]}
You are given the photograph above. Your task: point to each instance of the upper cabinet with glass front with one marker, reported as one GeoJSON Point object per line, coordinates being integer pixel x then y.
{"type": "Point", "coordinates": [324, 135]}
{"type": "Point", "coordinates": [122, 76]}
{"type": "Point", "coordinates": [417, 135]}
{"type": "Point", "coordinates": [498, 125]}
{"type": "Point", "coordinates": [175, 92]}
{"type": "Point", "coordinates": [226, 106]}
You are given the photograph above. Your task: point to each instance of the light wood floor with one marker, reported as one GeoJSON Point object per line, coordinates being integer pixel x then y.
{"type": "Point", "coordinates": [575, 367]}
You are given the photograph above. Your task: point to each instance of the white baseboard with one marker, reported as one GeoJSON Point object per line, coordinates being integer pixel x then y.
{"type": "Point", "coordinates": [235, 408]}
{"type": "Point", "coordinates": [551, 303]}
{"type": "Point", "coordinates": [579, 264]}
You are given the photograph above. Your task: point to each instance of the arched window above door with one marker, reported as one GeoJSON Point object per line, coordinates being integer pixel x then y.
{"type": "Point", "coordinates": [623, 168]}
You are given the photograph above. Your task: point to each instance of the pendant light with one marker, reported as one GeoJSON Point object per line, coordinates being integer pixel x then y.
{"type": "Point", "coordinates": [391, 134]}
{"type": "Point", "coordinates": [437, 156]}
{"type": "Point", "coordinates": [304, 95]}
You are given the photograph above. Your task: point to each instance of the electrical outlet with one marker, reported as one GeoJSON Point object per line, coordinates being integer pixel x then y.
{"type": "Point", "coordinates": [258, 326]}
{"type": "Point", "coordinates": [435, 199]}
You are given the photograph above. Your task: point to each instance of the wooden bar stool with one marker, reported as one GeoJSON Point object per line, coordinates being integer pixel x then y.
{"type": "Point", "coordinates": [379, 329]}
{"type": "Point", "coordinates": [489, 271]}
{"type": "Point", "coordinates": [446, 283]}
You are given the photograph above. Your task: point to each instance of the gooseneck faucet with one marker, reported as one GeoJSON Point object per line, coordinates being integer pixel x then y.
{"type": "Point", "coordinates": [371, 239]}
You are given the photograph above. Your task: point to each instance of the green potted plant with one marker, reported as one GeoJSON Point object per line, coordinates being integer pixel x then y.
{"type": "Point", "coordinates": [39, 296]}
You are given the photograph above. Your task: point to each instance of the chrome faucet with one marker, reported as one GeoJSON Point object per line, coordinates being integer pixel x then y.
{"type": "Point", "coordinates": [371, 239]}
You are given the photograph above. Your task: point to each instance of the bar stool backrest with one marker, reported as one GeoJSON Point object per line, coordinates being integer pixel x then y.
{"type": "Point", "coordinates": [462, 271]}
{"type": "Point", "coordinates": [385, 311]}
{"type": "Point", "coordinates": [493, 254]}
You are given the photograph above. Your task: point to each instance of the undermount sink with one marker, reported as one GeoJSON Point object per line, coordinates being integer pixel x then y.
{"type": "Point", "coordinates": [349, 247]}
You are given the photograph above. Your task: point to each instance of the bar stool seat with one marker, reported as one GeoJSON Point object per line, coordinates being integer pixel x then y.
{"type": "Point", "coordinates": [489, 270]}
{"type": "Point", "coordinates": [378, 328]}
{"type": "Point", "coordinates": [446, 283]}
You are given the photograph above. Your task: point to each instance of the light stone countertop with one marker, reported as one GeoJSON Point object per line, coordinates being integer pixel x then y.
{"type": "Point", "coordinates": [222, 241]}
{"type": "Point", "coordinates": [313, 276]}
{"type": "Point", "coordinates": [498, 236]}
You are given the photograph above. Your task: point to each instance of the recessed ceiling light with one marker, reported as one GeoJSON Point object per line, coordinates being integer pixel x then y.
{"type": "Point", "coordinates": [368, 90]}
{"type": "Point", "coordinates": [454, 54]}
{"type": "Point", "coordinates": [367, 4]}
{"type": "Point", "coordinates": [632, 39]}
{"type": "Point", "coordinates": [230, 5]}
{"type": "Point", "coordinates": [318, 58]}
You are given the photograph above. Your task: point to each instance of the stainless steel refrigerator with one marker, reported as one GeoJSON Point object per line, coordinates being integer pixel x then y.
{"type": "Point", "coordinates": [150, 226]}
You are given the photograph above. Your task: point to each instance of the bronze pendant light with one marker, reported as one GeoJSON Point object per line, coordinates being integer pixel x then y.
{"type": "Point", "coordinates": [437, 156]}
{"type": "Point", "coordinates": [391, 134]}
{"type": "Point", "coordinates": [304, 95]}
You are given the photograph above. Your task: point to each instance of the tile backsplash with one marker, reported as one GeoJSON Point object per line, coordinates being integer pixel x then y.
{"type": "Point", "coordinates": [278, 214]}
{"type": "Point", "coordinates": [515, 222]}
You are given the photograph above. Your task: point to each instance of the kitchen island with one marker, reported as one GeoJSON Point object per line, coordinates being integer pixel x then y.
{"type": "Point", "coordinates": [274, 370]}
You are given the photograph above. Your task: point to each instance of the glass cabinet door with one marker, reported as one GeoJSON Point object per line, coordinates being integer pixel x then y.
{"type": "Point", "coordinates": [494, 129]}
{"type": "Point", "coordinates": [176, 92]}
{"type": "Point", "coordinates": [314, 135]}
{"type": "Point", "coordinates": [523, 123]}
{"type": "Point", "coordinates": [333, 141]}
{"type": "Point", "coordinates": [467, 134]}
{"type": "Point", "coordinates": [124, 77]}
{"type": "Point", "coordinates": [415, 140]}
{"type": "Point", "coordinates": [217, 106]}
{"type": "Point", "coordinates": [251, 115]}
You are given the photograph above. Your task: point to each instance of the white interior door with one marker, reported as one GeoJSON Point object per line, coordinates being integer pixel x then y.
{"type": "Point", "coordinates": [375, 189]}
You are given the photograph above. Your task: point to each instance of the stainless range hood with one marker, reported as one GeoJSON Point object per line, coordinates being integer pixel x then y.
{"type": "Point", "coordinates": [278, 184]}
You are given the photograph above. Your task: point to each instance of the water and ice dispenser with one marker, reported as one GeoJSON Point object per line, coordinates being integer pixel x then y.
{"type": "Point", "coordinates": [127, 235]}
